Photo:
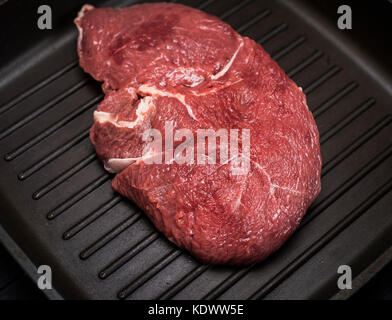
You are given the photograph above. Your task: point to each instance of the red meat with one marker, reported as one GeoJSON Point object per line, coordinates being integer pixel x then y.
{"type": "Point", "coordinates": [167, 63]}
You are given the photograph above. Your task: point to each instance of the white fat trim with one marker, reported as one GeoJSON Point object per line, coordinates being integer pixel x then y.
{"type": "Point", "coordinates": [228, 65]}
{"type": "Point", "coordinates": [214, 90]}
{"type": "Point", "coordinates": [153, 91]}
{"type": "Point", "coordinates": [132, 91]}
{"type": "Point", "coordinates": [187, 74]}
{"type": "Point", "coordinates": [143, 107]}
{"type": "Point", "coordinates": [207, 28]}
{"type": "Point", "coordinates": [286, 188]}
{"type": "Point", "coordinates": [116, 165]}
{"type": "Point", "coordinates": [238, 202]}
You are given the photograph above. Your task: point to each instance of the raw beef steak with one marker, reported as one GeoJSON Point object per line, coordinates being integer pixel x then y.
{"type": "Point", "coordinates": [167, 63]}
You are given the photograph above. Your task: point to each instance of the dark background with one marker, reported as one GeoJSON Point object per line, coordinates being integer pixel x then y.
{"type": "Point", "coordinates": [372, 27]}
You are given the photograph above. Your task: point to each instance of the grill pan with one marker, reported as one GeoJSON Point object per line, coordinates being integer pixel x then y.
{"type": "Point", "coordinates": [58, 209]}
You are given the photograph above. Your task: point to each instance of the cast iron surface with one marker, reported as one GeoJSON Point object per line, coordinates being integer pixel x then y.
{"type": "Point", "coordinates": [57, 204]}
